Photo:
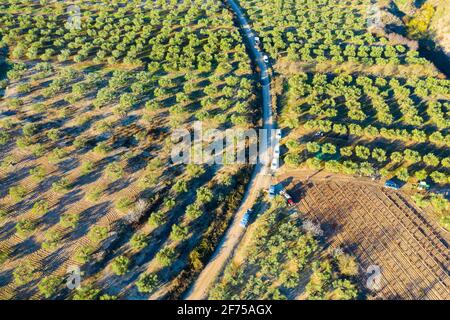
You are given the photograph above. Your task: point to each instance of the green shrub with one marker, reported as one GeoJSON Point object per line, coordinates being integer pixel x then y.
{"type": "Point", "coordinates": [147, 282]}
{"type": "Point", "coordinates": [139, 241]}
{"type": "Point", "coordinates": [3, 214]}
{"type": "Point", "coordinates": [53, 134]}
{"type": "Point", "coordinates": [17, 193]}
{"type": "Point", "coordinates": [107, 297]}
{"type": "Point", "coordinates": [24, 273]}
{"type": "Point", "coordinates": [52, 240]}
{"type": "Point", "coordinates": [166, 256]}
{"type": "Point", "coordinates": [4, 255]}
{"type": "Point", "coordinates": [24, 227]}
{"type": "Point", "coordinates": [445, 222]}
{"type": "Point", "coordinates": [87, 167]}
{"type": "Point", "coordinates": [157, 219]}
{"type": "Point", "coordinates": [83, 254]}
{"type": "Point", "coordinates": [94, 194]}
{"type": "Point", "coordinates": [179, 233]}
{"type": "Point", "coordinates": [86, 293]}
{"type": "Point", "coordinates": [62, 185]}
{"type": "Point", "coordinates": [69, 220]}
{"type": "Point", "coordinates": [98, 233]}
{"type": "Point", "coordinates": [48, 286]}
{"type": "Point", "coordinates": [120, 265]}
{"type": "Point", "coordinates": [114, 171]}
{"type": "Point", "coordinates": [40, 208]}
{"type": "Point", "coordinates": [38, 173]}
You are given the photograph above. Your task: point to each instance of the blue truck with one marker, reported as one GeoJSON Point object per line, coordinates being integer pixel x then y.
{"type": "Point", "coordinates": [246, 218]}
{"type": "Point", "coordinates": [391, 184]}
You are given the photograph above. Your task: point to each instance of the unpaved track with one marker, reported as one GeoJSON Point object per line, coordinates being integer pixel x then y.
{"type": "Point", "coordinates": [258, 181]}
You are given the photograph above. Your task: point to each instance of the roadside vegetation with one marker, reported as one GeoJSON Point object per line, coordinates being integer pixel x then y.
{"type": "Point", "coordinates": [285, 259]}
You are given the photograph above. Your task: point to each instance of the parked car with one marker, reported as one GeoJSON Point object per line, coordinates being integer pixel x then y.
{"type": "Point", "coordinates": [278, 134]}
{"type": "Point", "coordinates": [246, 218]}
{"type": "Point", "coordinates": [285, 194]}
{"type": "Point", "coordinates": [318, 134]}
{"type": "Point", "coordinates": [288, 198]}
{"type": "Point", "coordinates": [275, 164]}
{"type": "Point", "coordinates": [423, 185]}
{"type": "Point", "coordinates": [271, 191]}
{"type": "Point", "coordinates": [290, 202]}
{"type": "Point", "coordinates": [276, 151]}
{"type": "Point", "coordinates": [257, 42]}
{"type": "Point", "coordinates": [392, 185]}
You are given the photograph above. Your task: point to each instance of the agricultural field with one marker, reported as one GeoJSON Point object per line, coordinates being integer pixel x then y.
{"type": "Point", "coordinates": [86, 179]}
{"type": "Point", "coordinates": [94, 207]}
{"type": "Point", "coordinates": [381, 228]}
{"type": "Point", "coordinates": [353, 98]}
{"type": "Point", "coordinates": [283, 258]}
{"type": "Point", "coordinates": [304, 35]}
{"type": "Point", "coordinates": [342, 233]}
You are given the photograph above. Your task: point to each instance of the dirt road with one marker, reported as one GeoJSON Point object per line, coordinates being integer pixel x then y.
{"type": "Point", "coordinates": [258, 181]}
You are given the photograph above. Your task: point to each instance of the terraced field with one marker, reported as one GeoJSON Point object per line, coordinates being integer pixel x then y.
{"type": "Point", "coordinates": [381, 227]}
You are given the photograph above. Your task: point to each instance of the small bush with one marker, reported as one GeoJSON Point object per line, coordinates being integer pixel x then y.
{"type": "Point", "coordinates": [107, 297]}
{"type": "Point", "coordinates": [24, 227]}
{"type": "Point", "coordinates": [3, 214]}
{"type": "Point", "coordinates": [98, 233]}
{"type": "Point", "coordinates": [139, 241]}
{"type": "Point", "coordinates": [114, 171]}
{"type": "Point", "coordinates": [23, 274]}
{"type": "Point", "coordinates": [69, 220]}
{"type": "Point", "coordinates": [147, 282]}
{"type": "Point", "coordinates": [445, 222]}
{"type": "Point", "coordinates": [40, 208]}
{"type": "Point", "coordinates": [38, 173]}
{"type": "Point", "coordinates": [62, 185]}
{"type": "Point", "coordinates": [87, 167]}
{"type": "Point", "coordinates": [166, 256]}
{"type": "Point", "coordinates": [4, 255]}
{"type": "Point", "coordinates": [17, 193]}
{"type": "Point", "coordinates": [123, 204]}
{"type": "Point", "coordinates": [157, 219]}
{"type": "Point", "coordinates": [83, 254]}
{"type": "Point", "coordinates": [48, 286]}
{"type": "Point", "coordinates": [120, 265]}
{"type": "Point", "coordinates": [347, 265]}
{"type": "Point", "coordinates": [94, 194]}
{"type": "Point", "coordinates": [52, 240]}
{"type": "Point", "coordinates": [179, 233]}
{"type": "Point", "coordinates": [86, 293]}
